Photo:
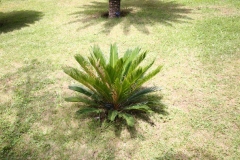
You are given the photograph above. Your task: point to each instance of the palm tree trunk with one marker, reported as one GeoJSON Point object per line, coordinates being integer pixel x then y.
{"type": "Point", "coordinates": [114, 8]}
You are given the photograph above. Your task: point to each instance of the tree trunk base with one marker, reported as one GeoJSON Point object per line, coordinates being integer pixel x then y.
{"type": "Point", "coordinates": [114, 9]}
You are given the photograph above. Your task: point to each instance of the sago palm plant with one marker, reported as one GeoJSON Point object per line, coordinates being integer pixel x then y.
{"type": "Point", "coordinates": [113, 89]}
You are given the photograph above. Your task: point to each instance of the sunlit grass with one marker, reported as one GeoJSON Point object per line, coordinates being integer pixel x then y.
{"type": "Point", "coordinates": [197, 41]}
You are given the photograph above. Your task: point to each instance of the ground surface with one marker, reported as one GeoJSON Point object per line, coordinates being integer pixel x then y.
{"type": "Point", "coordinates": [197, 41]}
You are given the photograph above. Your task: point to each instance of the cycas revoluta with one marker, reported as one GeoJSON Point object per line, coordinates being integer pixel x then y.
{"type": "Point", "coordinates": [113, 89]}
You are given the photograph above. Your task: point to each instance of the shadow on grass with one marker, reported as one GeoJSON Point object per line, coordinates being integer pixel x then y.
{"type": "Point", "coordinates": [11, 21]}
{"type": "Point", "coordinates": [120, 125]}
{"type": "Point", "coordinates": [173, 156]}
{"type": "Point", "coordinates": [24, 109]}
{"type": "Point", "coordinates": [137, 13]}
{"type": "Point", "coordinates": [197, 154]}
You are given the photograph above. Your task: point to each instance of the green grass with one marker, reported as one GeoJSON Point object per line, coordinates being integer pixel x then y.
{"type": "Point", "coordinates": [197, 41]}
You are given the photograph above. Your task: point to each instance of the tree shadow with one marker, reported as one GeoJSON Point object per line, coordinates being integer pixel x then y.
{"type": "Point", "coordinates": [136, 13]}
{"type": "Point", "coordinates": [24, 83]}
{"type": "Point", "coordinates": [11, 21]}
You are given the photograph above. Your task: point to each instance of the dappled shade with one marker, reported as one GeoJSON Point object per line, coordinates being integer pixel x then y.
{"type": "Point", "coordinates": [29, 89]}
{"type": "Point", "coordinates": [11, 21]}
{"type": "Point", "coordinates": [136, 13]}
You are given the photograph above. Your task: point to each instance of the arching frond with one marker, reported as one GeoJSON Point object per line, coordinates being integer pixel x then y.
{"type": "Point", "coordinates": [113, 55]}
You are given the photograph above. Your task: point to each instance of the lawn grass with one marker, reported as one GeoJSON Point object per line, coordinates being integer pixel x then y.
{"type": "Point", "coordinates": [198, 42]}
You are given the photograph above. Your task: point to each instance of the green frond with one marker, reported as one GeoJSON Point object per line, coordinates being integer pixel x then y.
{"type": "Point", "coordinates": [112, 114]}
{"type": "Point", "coordinates": [97, 53]}
{"type": "Point", "coordinates": [126, 69]}
{"type": "Point", "coordinates": [85, 91]}
{"type": "Point", "coordinates": [101, 71]}
{"type": "Point", "coordinates": [147, 67]}
{"type": "Point", "coordinates": [139, 107]}
{"type": "Point", "coordinates": [149, 75]}
{"type": "Point", "coordinates": [137, 74]}
{"type": "Point", "coordinates": [110, 72]}
{"type": "Point", "coordinates": [118, 69]}
{"type": "Point", "coordinates": [84, 64]}
{"type": "Point", "coordinates": [81, 90]}
{"type": "Point", "coordinates": [125, 88]}
{"type": "Point", "coordinates": [137, 96]}
{"type": "Point", "coordinates": [128, 118]}
{"type": "Point", "coordinates": [117, 87]}
{"type": "Point", "coordinates": [103, 90]}
{"type": "Point", "coordinates": [129, 59]}
{"type": "Point", "coordinates": [139, 93]}
{"type": "Point", "coordinates": [80, 77]}
{"type": "Point", "coordinates": [134, 75]}
{"type": "Point", "coordinates": [131, 54]}
{"type": "Point", "coordinates": [113, 55]}
{"type": "Point", "coordinates": [94, 84]}
{"type": "Point", "coordinates": [136, 61]}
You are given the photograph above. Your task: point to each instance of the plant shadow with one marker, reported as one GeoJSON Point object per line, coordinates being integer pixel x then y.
{"type": "Point", "coordinates": [173, 156]}
{"type": "Point", "coordinates": [197, 154]}
{"type": "Point", "coordinates": [11, 21]}
{"type": "Point", "coordinates": [120, 125]}
{"type": "Point", "coordinates": [134, 13]}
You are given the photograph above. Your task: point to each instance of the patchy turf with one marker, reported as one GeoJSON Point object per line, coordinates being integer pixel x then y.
{"type": "Point", "coordinates": [198, 42]}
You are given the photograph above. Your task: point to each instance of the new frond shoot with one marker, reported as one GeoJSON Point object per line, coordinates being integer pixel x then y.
{"type": "Point", "coordinates": [113, 88]}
